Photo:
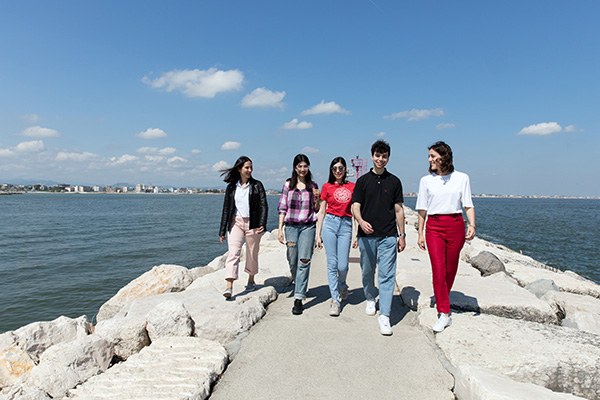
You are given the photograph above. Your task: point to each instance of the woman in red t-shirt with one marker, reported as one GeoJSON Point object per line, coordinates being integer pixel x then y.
{"type": "Point", "coordinates": [334, 229]}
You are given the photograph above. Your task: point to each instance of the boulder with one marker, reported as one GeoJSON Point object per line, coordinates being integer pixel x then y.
{"type": "Point", "coordinates": [169, 318]}
{"type": "Point", "coordinates": [487, 263]}
{"type": "Point", "coordinates": [577, 311]}
{"type": "Point", "coordinates": [65, 365]}
{"type": "Point", "coordinates": [164, 278]}
{"type": "Point", "coordinates": [25, 393]}
{"type": "Point", "coordinates": [185, 367]}
{"type": "Point", "coordinates": [14, 361]}
{"type": "Point", "coordinates": [475, 383]}
{"type": "Point", "coordinates": [557, 358]}
{"type": "Point", "coordinates": [541, 287]}
{"type": "Point", "coordinates": [127, 335]}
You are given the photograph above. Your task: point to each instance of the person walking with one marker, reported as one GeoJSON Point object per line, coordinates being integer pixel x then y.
{"type": "Point", "coordinates": [334, 230]}
{"type": "Point", "coordinates": [442, 195]}
{"type": "Point", "coordinates": [244, 217]}
{"type": "Point", "coordinates": [297, 207]}
{"type": "Point", "coordinates": [378, 210]}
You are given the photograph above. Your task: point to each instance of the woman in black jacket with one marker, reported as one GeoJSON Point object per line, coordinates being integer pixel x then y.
{"type": "Point", "coordinates": [244, 216]}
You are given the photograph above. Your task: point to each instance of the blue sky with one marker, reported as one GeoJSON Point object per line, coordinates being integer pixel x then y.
{"type": "Point", "coordinates": [167, 93]}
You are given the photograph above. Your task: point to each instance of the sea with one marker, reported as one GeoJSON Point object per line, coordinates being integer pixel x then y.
{"type": "Point", "coordinates": [67, 254]}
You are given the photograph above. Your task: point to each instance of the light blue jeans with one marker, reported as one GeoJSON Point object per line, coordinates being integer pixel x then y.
{"type": "Point", "coordinates": [337, 236]}
{"type": "Point", "coordinates": [300, 241]}
{"type": "Point", "coordinates": [380, 252]}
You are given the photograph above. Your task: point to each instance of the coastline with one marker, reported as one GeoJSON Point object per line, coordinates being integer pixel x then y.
{"type": "Point", "coordinates": [501, 326]}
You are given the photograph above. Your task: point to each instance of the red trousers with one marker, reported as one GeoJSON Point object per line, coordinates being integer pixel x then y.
{"type": "Point", "coordinates": [445, 237]}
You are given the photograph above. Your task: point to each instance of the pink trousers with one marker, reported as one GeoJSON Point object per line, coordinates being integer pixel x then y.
{"type": "Point", "coordinates": [445, 237]}
{"type": "Point", "coordinates": [240, 233]}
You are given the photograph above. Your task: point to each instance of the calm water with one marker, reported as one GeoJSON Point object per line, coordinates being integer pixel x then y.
{"type": "Point", "coordinates": [67, 254]}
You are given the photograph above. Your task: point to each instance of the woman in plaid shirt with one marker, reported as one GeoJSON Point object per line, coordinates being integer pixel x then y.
{"type": "Point", "coordinates": [297, 207]}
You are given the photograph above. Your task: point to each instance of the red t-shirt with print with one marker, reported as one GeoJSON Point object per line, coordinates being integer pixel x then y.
{"type": "Point", "coordinates": [338, 198]}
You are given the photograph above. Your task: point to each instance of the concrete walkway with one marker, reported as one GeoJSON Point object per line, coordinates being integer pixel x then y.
{"type": "Point", "coordinates": [315, 356]}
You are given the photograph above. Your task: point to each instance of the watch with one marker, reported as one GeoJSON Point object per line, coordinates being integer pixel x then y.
{"type": "Point", "coordinates": [402, 234]}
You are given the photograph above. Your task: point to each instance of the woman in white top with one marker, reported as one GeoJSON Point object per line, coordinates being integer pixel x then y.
{"type": "Point", "coordinates": [442, 195]}
{"type": "Point", "coordinates": [244, 217]}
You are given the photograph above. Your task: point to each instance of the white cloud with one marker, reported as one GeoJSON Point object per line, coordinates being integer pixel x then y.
{"type": "Point", "coordinates": [74, 156]}
{"type": "Point", "coordinates": [417, 114]}
{"type": "Point", "coordinates": [167, 150]}
{"type": "Point", "coordinates": [570, 128]}
{"type": "Point", "coordinates": [380, 134]}
{"type": "Point", "coordinates": [195, 151]}
{"type": "Point", "coordinates": [230, 146]}
{"type": "Point", "coordinates": [152, 133]}
{"type": "Point", "coordinates": [154, 159]}
{"type": "Point", "coordinates": [125, 158]}
{"type": "Point", "coordinates": [39, 132]}
{"type": "Point", "coordinates": [175, 160]}
{"type": "Point", "coordinates": [295, 124]}
{"type": "Point", "coordinates": [6, 153]}
{"type": "Point", "coordinates": [310, 150]}
{"type": "Point", "coordinates": [445, 126]}
{"type": "Point", "coordinates": [220, 165]}
{"type": "Point", "coordinates": [326, 108]}
{"type": "Point", "coordinates": [541, 129]}
{"type": "Point", "coordinates": [263, 97]}
{"type": "Point", "coordinates": [34, 146]}
{"type": "Point", "coordinates": [198, 83]}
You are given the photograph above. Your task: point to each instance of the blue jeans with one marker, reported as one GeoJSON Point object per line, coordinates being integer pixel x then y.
{"type": "Point", "coordinates": [300, 241]}
{"type": "Point", "coordinates": [337, 235]}
{"type": "Point", "coordinates": [380, 252]}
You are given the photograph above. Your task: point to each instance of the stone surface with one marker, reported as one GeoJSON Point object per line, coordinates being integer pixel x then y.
{"type": "Point", "coordinates": [541, 287]}
{"type": "Point", "coordinates": [557, 358]}
{"type": "Point", "coordinates": [14, 361]}
{"type": "Point", "coordinates": [487, 263]}
{"type": "Point", "coordinates": [25, 393]}
{"type": "Point", "coordinates": [128, 335]}
{"type": "Point", "coordinates": [171, 368]}
{"type": "Point", "coordinates": [65, 365]}
{"type": "Point", "coordinates": [169, 318]}
{"type": "Point", "coordinates": [578, 311]}
{"type": "Point", "coordinates": [164, 278]}
{"type": "Point", "coordinates": [474, 383]}
{"type": "Point", "coordinates": [496, 294]}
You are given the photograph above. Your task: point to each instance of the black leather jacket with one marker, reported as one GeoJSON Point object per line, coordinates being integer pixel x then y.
{"type": "Point", "coordinates": [258, 206]}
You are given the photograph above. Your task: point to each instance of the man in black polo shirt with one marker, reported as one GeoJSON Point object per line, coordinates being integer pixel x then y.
{"type": "Point", "coordinates": [377, 207]}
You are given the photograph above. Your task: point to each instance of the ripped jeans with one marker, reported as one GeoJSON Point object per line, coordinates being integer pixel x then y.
{"type": "Point", "coordinates": [300, 241]}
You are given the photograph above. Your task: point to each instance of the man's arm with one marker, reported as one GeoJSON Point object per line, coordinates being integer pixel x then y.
{"type": "Point", "coordinates": [400, 224]}
{"type": "Point", "coordinates": [364, 225]}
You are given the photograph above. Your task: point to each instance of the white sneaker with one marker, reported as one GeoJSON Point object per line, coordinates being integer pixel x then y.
{"type": "Point", "coordinates": [334, 309]}
{"type": "Point", "coordinates": [384, 325]}
{"type": "Point", "coordinates": [442, 323]}
{"type": "Point", "coordinates": [370, 308]}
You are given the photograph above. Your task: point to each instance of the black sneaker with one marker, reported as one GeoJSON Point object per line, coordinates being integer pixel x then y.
{"type": "Point", "coordinates": [297, 309]}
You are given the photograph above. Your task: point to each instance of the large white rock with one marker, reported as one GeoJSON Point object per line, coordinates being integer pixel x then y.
{"type": "Point", "coordinates": [171, 368]}
{"type": "Point", "coordinates": [496, 294]}
{"type": "Point", "coordinates": [558, 358]}
{"type": "Point", "coordinates": [580, 312]}
{"type": "Point", "coordinates": [14, 361]}
{"type": "Point", "coordinates": [128, 335]}
{"type": "Point", "coordinates": [474, 383]}
{"type": "Point", "coordinates": [65, 365]}
{"type": "Point", "coordinates": [25, 393]}
{"type": "Point", "coordinates": [164, 278]}
{"type": "Point", "coordinates": [169, 318]}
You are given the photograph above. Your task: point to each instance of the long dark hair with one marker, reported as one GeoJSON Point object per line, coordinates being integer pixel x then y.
{"type": "Point", "coordinates": [232, 175]}
{"type": "Point", "coordinates": [294, 179]}
{"type": "Point", "coordinates": [445, 152]}
{"type": "Point", "coordinates": [333, 162]}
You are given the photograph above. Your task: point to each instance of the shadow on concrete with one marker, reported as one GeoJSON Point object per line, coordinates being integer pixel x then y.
{"type": "Point", "coordinates": [410, 297]}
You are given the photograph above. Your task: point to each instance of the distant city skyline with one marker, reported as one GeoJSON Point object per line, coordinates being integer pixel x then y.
{"type": "Point", "coordinates": [169, 94]}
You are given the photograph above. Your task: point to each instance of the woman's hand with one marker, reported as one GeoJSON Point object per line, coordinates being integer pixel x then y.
{"type": "Point", "coordinates": [421, 242]}
{"type": "Point", "coordinates": [470, 232]}
{"type": "Point", "coordinates": [260, 229]}
{"type": "Point", "coordinates": [318, 242]}
{"type": "Point", "coordinates": [280, 236]}
{"type": "Point", "coordinates": [221, 239]}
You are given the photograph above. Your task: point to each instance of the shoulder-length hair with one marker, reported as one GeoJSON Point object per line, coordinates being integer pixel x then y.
{"type": "Point", "coordinates": [445, 152]}
{"type": "Point", "coordinates": [307, 179]}
{"type": "Point", "coordinates": [333, 162]}
{"type": "Point", "coordinates": [232, 175]}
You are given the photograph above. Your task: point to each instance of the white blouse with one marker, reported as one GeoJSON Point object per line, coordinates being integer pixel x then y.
{"type": "Point", "coordinates": [444, 194]}
{"type": "Point", "coordinates": [242, 203]}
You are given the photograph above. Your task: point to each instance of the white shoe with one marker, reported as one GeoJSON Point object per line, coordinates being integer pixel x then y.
{"type": "Point", "coordinates": [370, 308]}
{"type": "Point", "coordinates": [384, 325]}
{"type": "Point", "coordinates": [334, 309]}
{"type": "Point", "coordinates": [442, 323]}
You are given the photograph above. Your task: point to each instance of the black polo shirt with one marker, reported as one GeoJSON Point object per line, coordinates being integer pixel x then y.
{"type": "Point", "coordinates": [377, 195]}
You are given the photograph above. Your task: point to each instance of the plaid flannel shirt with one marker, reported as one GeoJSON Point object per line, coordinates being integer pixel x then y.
{"type": "Point", "coordinates": [297, 205]}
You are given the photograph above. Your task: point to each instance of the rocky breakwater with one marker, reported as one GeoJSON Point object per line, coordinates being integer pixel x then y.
{"type": "Point", "coordinates": [168, 334]}
{"type": "Point", "coordinates": [521, 329]}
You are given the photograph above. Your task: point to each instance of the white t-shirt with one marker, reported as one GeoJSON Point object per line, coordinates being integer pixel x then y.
{"type": "Point", "coordinates": [444, 194]}
{"type": "Point", "coordinates": [242, 204]}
